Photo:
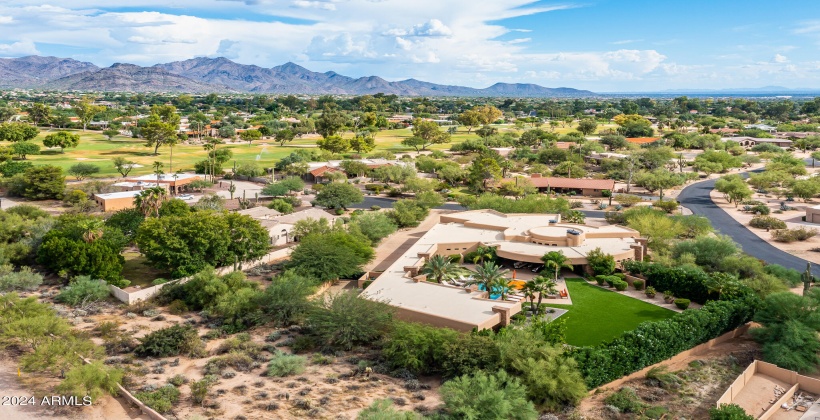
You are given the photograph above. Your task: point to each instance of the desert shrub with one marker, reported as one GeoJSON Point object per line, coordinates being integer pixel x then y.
{"type": "Point", "coordinates": [729, 411]}
{"type": "Point", "coordinates": [345, 320]}
{"type": "Point", "coordinates": [625, 400]}
{"type": "Point", "coordinates": [280, 205]}
{"type": "Point", "coordinates": [240, 343]}
{"type": "Point", "coordinates": [788, 333]}
{"type": "Point", "coordinates": [627, 200]}
{"type": "Point", "coordinates": [83, 290]}
{"type": "Point", "coordinates": [620, 285]}
{"type": "Point", "coordinates": [199, 389]}
{"type": "Point", "coordinates": [283, 364]}
{"type": "Point", "coordinates": [93, 380]}
{"type": "Point", "coordinates": [25, 279]}
{"type": "Point", "coordinates": [479, 395]}
{"type": "Point", "coordinates": [684, 280]}
{"type": "Point", "coordinates": [790, 235]}
{"type": "Point", "coordinates": [470, 353]}
{"type": "Point", "coordinates": [767, 222]}
{"type": "Point", "coordinates": [668, 206]}
{"type": "Point", "coordinates": [652, 342]}
{"type": "Point", "coordinates": [638, 284]}
{"type": "Point", "coordinates": [663, 377]}
{"type": "Point", "coordinates": [177, 307]}
{"type": "Point", "coordinates": [285, 300]}
{"type": "Point", "coordinates": [178, 380]}
{"type": "Point", "coordinates": [418, 348]}
{"type": "Point", "coordinates": [383, 410]}
{"type": "Point", "coordinates": [237, 361]}
{"type": "Point", "coordinates": [682, 303]}
{"type": "Point", "coordinates": [789, 276]}
{"type": "Point", "coordinates": [760, 209]}
{"type": "Point", "coordinates": [171, 341]}
{"type": "Point", "coordinates": [162, 400]}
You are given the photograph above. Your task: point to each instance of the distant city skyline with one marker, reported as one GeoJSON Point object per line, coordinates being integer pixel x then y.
{"type": "Point", "coordinates": [598, 45]}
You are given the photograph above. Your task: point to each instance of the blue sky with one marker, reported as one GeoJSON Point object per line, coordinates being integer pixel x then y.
{"type": "Point", "coordinates": [600, 45]}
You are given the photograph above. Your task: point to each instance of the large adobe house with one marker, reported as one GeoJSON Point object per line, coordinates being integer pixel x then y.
{"type": "Point", "coordinates": [516, 237]}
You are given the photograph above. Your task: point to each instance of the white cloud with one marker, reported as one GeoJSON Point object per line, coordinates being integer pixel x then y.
{"type": "Point", "coordinates": [323, 5]}
{"type": "Point", "coordinates": [431, 28]}
{"type": "Point", "coordinates": [625, 41]}
{"type": "Point", "coordinates": [18, 49]}
{"type": "Point", "coordinates": [778, 58]}
{"type": "Point", "coordinates": [6, 19]}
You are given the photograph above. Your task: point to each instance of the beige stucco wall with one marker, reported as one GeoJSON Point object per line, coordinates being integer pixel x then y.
{"type": "Point", "coordinates": [812, 215]}
{"type": "Point", "coordinates": [115, 204]}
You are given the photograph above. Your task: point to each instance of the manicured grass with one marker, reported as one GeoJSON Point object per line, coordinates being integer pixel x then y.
{"type": "Point", "coordinates": [137, 270]}
{"type": "Point", "coordinates": [597, 315]}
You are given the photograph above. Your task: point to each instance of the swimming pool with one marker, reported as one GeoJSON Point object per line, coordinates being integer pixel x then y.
{"type": "Point", "coordinates": [495, 293]}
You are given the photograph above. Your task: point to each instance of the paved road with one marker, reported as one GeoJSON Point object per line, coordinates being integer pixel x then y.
{"type": "Point", "coordinates": [696, 198]}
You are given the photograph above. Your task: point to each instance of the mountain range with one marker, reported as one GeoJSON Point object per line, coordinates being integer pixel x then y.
{"type": "Point", "coordinates": [203, 75]}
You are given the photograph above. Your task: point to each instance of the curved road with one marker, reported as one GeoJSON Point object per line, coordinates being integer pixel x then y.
{"type": "Point", "coordinates": [696, 197]}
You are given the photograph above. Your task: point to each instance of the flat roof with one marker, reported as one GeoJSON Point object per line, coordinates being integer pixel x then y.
{"type": "Point", "coordinates": [556, 182]}
{"type": "Point", "coordinates": [163, 177]}
{"type": "Point", "coordinates": [490, 228]}
{"type": "Point", "coordinates": [121, 194]}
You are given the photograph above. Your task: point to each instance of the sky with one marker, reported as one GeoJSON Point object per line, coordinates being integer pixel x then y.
{"type": "Point", "coordinates": [599, 45]}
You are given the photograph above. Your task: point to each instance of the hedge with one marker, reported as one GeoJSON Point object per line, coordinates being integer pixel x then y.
{"type": "Point", "coordinates": [685, 281]}
{"type": "Point", "coordinates": [653, 342]}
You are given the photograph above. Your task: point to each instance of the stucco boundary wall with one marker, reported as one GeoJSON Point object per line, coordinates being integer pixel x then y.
{"type": "Point", "coordinates": [798, 382]}
{"type": "Point", "coordinates": [150, 412]}
{"type": "Point", "coordinates": [143, 294]}
{"type": "Point", "coordinates": [694, 351]}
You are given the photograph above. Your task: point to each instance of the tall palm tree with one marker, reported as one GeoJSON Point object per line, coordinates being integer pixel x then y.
{"type": "Point", "coordinates": [440, 268]}
{"type": "Point", "coordinates": [542, 286]}
{"type": "Point", "coordinates": [555, 260]}
{"type": "Point", "coordinates": [149, 200]}
{"type": "Point", "coordinates": [157, 165]}
{"type": "Point", "coordinates": [488, 274]}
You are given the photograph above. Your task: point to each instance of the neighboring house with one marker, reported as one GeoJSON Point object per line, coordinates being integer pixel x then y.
{"type": "Point", "coordinates": [117, 200]}
{"type": "Point", "coordinates": [317, 170]}
{"type": "Point", "coordinates": [764, 127]}
{"type": "Point", "coordinates": [173, 182]}
{"type": "Point", "coordinates": [754, 141]}
{"type": "Point", "coordinates": [583, 186]}
{"type": "Point", "coordinates": [280, 226]}
{"type": "Point", "coordinates": [724, 131]}
{"type": "Point", "coordinates": [795, 134]}
{"type": "Point", "coordinates": [642, 140]}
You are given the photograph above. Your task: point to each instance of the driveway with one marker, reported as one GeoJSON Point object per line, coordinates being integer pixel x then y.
{"type": "Point", "coordinates": [696, 198]}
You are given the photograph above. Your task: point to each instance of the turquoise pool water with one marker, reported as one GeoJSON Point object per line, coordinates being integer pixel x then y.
{"type": "Point", "coordinates": [495, 293]}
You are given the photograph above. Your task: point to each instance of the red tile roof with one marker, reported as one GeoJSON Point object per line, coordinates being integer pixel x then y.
{"type": "Point", "coordinates": [582, 183]}
{"type": "Point", "coordinates": [564, 144]}
{"type": "Point", "coordinates": [322, 169]}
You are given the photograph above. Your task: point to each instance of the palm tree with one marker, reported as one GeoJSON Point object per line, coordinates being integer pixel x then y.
{"type": "Point", "coordinates": [488, 274]}
{"type": "Point", "coordinates": [484, 253]}
{"type": "Point", "coordinates": [149, 200]}
{"type": "Point", "coordinates": [157, 165]}
{"type": "Point", "coordinates": [543, 286]}
{"type": "Point", "coordinates": [440, 268]}
{"type": "Point", "coordinates": [555, 260]}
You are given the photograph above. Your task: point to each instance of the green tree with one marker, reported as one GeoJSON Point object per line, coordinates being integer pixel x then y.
{"type": "Point", "coordinates": [383, 410]}
{"type": "Point", "coordinates": [250, 136]}
{"type": "Point", "coordinates": [160, 128]}
{"type": "Point", "coordinates": [283, 136]}
{"type": "Point", "coordinates": [111, 133]}
{"type": "Point", "coordinates": [483, 171]}
{"type": "Point", "coordinates": [44, 182]}
{"type": "Point", "coordinates": [556, 260]}
{"type": "Point", "coordinates": [25, 148]}
{"type": "Point", "coordinates": [363, 143]}
{"type": "Point", "coordinates": [150, 200]}
{"type": "Point", "coordinates": [587, 126]}
{"type": "Point", "coordinates": [427, 133]}
{"type": "Point", "coordinates": [490, 276]}
{"type": "Point", "coordinates": [339, 195]}
{"type": "Point", "coordinates": [331, 256]}
{"type": "Point", "coordinates": [61, 139]}
{"type": "Point", "coordinates": [659, 180]}
{"type": "Point", "coordinates": [337, 322]}
{"type": "Point", "coordinates": [487, 396]}
{"type": "Point", "coordinates": [93, 380]}
{"type": "Point", "coordinates": [17, 132]}
{"type": "Point", "coordinates": [470, 118]}
{"type": "Point", "coordinates": [285, 300]}
{"type": "Point", "coordinates": [248, 240]}
{"type": "Point", "coordinates": [789, 333]}
{"type": "Point", "coordinates": [806, 189]}
{"type": "Point", "coordinates": [334, 144]}
{"type": "Point", "coordinates": [86, 111]}
{"type": "Point", "coordinates": [330, 122]}
{"type": "Point", "coordinates": [39, 113]}
{"type": "Point", "coordinates": [374, 225]}
{"type": "Point", "coordinates": [83, 170]}
{"type": "Point", "coordinates": [539, 286]}
{"type": "Point", "coordinates": [123, 165]}
{"type": "Point", "coordinates": [601, 263]}
{"type": "Point", "coordinates": [284, 187]}
{"type": "Point", "coordinates": [734, 188]}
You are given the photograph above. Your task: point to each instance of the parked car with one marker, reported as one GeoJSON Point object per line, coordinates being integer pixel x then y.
{"type": "Point", "coordinates": [185, 197]}
{"type": "Point", "coordinates": [537, 268]}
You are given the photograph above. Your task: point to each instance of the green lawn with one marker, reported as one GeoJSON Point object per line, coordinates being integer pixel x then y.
{"type": "Point", "coordinates": [597, 315]}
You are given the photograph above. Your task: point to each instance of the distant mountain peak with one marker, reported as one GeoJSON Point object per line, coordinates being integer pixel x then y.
{"type": "Point", "coordinates": [213, 74]}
